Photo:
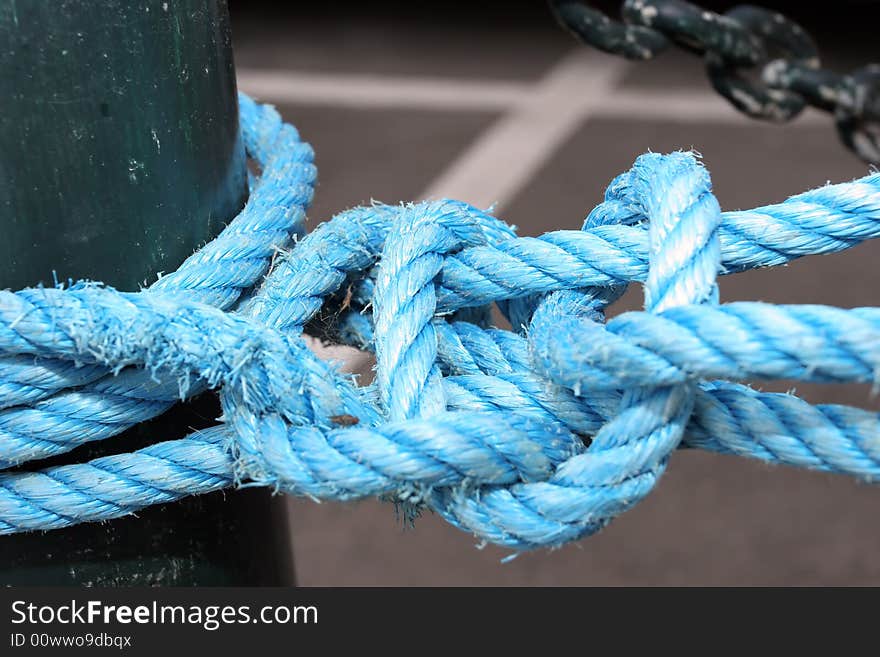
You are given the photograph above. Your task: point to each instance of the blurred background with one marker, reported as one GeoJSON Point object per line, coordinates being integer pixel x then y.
{"type": "Point", "coordinates": [493, 103]}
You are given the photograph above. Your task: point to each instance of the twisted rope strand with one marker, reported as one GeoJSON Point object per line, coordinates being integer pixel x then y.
{"type": "Point", "coordinates": [825, 220]}
{"type": "Point", "coordinates": [526, 439]}
{"type": "Point", "coordinates": [489, 370]}
{"type": "Point", "coordinates": [218, 274]}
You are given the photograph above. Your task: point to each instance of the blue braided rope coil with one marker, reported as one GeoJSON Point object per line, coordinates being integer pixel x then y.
{"type": "Point", "coordinates": [526, 438]}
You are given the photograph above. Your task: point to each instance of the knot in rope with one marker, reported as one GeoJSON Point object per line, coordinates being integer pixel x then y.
{"type": "Point", "coordinates": [527, 438]}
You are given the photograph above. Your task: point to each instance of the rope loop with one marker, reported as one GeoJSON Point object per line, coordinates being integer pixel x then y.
{"type": "Point", "coordinates": [526, 438]}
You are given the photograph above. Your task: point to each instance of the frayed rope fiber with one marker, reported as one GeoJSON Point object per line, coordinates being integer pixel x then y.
{"type": "Point", "coordinates": [526, 438]}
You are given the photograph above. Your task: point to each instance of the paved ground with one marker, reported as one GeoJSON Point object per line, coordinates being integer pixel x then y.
{"type": "Point", "coordinates": [522, 117]}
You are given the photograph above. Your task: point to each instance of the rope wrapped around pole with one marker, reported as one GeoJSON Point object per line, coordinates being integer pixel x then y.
{"type": "Point", "coordinates": [526, 438]}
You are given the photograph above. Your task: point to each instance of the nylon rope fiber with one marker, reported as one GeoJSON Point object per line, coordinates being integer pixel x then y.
{"type": "Point", "coordinates": [525, 438]}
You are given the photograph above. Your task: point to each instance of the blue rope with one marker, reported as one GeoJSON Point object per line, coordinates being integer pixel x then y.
{"type": "Point", "coordinates": [526, 438]}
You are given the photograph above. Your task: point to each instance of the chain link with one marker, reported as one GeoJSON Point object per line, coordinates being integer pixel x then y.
{"type": "Point", "coordinates": [741, 41]}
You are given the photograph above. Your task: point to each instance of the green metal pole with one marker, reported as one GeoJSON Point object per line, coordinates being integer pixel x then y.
{"type": "Point", "coordinates": [120, 148]}
{"type": "Point", "coordinates": [120, 153]}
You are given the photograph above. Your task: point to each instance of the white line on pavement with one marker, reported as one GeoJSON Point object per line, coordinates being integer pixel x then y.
{"type": "Point", "coordinates": [503, 159]}
{"type": "Point", "coordinates": [682, 106]}
{"type": "Point", "coordinates": [454, 94]}
{"type": "Point", "coordinates": [365, 91]}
